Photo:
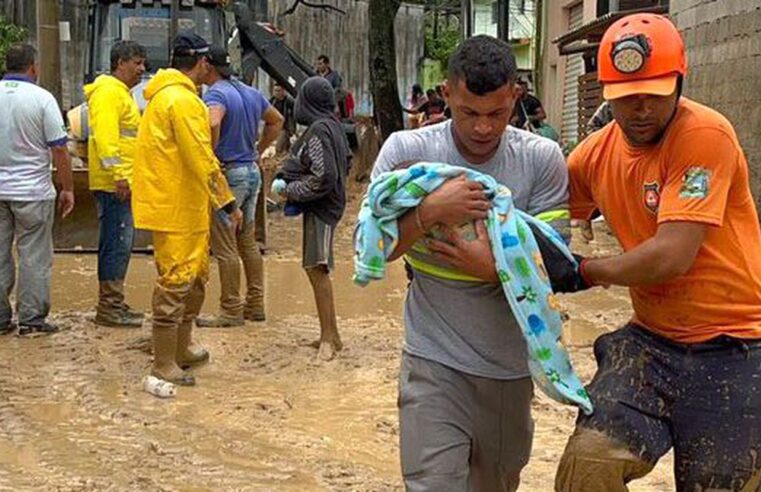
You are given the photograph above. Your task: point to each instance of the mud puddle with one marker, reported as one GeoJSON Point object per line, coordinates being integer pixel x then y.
{"type": "Point", "coordinates": [265, 415]}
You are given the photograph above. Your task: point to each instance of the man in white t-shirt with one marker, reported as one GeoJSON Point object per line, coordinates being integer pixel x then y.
{"type": "Point", "coordinates": [33, 137]}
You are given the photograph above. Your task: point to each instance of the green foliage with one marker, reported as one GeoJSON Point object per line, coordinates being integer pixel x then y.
{"type": "Point", "coordinates": [9, 35]}
{"type": "Point", "coordinates": [440, 46]}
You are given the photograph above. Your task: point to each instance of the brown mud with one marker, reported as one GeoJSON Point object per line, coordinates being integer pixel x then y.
{"type": "Point", "coordinates": [266, 415]}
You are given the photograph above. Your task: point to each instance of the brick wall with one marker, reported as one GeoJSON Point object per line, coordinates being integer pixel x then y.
{"type": "Point", "coordinates": [723, 39]}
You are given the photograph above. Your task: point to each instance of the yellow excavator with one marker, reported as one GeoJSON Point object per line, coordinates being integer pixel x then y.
{"type": "Point", "coordinates": [153, 23]}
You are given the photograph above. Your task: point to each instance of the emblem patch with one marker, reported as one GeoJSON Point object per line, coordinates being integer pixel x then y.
{"type": "Point", "coordinates": [695, 183]}
{"type": "Point", "coordinates": [652, 196]}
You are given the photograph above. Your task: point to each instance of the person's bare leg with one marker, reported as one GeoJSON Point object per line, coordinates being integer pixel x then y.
{"type": "Point", "coordinates": [322, 286]}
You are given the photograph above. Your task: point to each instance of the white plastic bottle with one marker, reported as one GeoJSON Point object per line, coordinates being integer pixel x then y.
{"type": "Point", "coordinates": [159, 387]}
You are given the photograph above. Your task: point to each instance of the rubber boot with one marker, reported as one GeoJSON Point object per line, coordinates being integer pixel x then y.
{"type": "Point", "coordinates": [169, 303]}
{"type": "Point", "coordinates": [165, 366]}
{"type": "Point", "coordinates": [330, 341]}
{"type": "Point", "coordinates": [230, 303]}
{"type": "Point", "coordinates": [253, 266]}
{"type": "Point", "coordinates": [188, 353]}
{"type": "Point", "coordinates": [110, 310]}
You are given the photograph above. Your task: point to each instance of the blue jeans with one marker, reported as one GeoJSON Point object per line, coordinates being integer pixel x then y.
{"type": "Point", "coordinates": [117, 235]}
{"type": "Point", "coordinates": [245, 183]}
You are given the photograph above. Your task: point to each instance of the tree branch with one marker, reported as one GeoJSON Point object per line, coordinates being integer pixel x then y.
{"type": "Point", "coordinates": [321, 6]}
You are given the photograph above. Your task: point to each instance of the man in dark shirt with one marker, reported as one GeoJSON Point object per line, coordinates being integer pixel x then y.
{"type": "Point", "coordinates": [283, 102]}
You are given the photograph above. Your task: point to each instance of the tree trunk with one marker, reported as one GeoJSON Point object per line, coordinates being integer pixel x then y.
{"type": "Point", "coordinates": [383, 80]}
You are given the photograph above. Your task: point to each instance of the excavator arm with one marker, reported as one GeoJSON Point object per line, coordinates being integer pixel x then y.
{"type": "Point", "coordinates": [262, 47]}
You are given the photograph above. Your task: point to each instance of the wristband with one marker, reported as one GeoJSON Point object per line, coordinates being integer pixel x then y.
{"type": "Point", "coordinates": [583, 273]}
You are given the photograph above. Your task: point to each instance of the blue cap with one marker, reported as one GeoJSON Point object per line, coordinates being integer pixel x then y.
{"type": "Point", "coordinates": [188, 43]}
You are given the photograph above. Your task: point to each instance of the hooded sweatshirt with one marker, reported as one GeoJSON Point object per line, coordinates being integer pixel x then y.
{"type": "Point", "coordinates": [114, 118]}
{"type": "Point", "coordinates": [177, 177]}
{"type": "Point", "coordinates": [319, 161]}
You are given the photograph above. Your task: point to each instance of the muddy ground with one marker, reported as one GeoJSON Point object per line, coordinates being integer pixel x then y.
{"type": "Point", "coordinates": [265, 415]}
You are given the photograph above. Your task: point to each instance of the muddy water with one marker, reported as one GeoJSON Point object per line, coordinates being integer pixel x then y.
{"type": "Point", "coordinates": [265, 415]}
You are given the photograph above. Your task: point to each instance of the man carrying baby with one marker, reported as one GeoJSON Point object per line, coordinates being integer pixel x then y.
{"type": "Point", "coordinates": [465, 389]}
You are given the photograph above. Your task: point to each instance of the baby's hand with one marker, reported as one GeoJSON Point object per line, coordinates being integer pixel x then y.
{"type": "Point", "coordinates": [278, 187]}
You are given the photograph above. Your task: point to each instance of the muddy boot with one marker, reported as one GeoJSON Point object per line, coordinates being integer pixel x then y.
{"type": "Point", "coordinates": [110, 311]}
{"type": "Point", "coordinates": [188, 353]}
{"type": "Point", "coordinates": [164, 357]}
{"type": "Point", "coordinates": [230, 303]}
{"type": "Point", "coordinates": [330, 342]}
{"type": "Point", "coordinates": [219, 321]}
{"type": "Point", "coordinates": [253, 266]}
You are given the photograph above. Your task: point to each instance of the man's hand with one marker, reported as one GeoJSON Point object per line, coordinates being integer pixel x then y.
{"type": "Point", "coordinates": [122, 190]}
{"type": "Point", "coordinates": [65, 203]}
{"type": "Point", "coordinates": [456, 202]}
{"type": "Point", "coordinates": [237, 220]}
{"type": "Point", "coordinates": [474, 258]}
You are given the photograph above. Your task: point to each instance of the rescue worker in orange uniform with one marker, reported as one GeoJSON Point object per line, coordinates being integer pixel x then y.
{"type": "Point", "coordinates": [177, 182]}
{"type": "Point", "coordinates": [671, 179]}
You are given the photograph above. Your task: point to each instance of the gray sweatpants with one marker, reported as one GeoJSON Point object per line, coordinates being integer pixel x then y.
{"type": "Point", "coordinates": [31, 223]}
{"type": "Point", "coordinates": [462, 433]}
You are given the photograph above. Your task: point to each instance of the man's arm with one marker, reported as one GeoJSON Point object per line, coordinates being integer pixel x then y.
{"type": "Point", "coordinates": [455, 202]}
{"type": "Point", "coordinates": [192, 128]}
{"type": "Point", "coordinates": [106, 132]}
{"type": "Point", "coordinates": [216, 115]}
{"type": "Point", "coordinates": [549, 192]}
{"type": "Point", "coordinates": [273, 125]}
{"type": "Point", "coordinates": [62, 163]}
{"type": "Point", "coordinates": [667, 255]}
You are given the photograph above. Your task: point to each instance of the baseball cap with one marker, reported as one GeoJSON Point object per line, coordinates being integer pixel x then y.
{"type": "Point", "coordinates": [220, 59]}
{"type": "Point", "coordinates": [189, 44]}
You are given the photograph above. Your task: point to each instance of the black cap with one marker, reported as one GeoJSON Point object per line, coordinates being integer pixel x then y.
{"type": "Point", "coordinates": [220, 59]}
{"type": "Point", "coordinates": [189, 44]}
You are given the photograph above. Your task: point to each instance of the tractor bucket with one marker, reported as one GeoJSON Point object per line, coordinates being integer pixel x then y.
{"type": "Point", "coordinates": [79, 231]}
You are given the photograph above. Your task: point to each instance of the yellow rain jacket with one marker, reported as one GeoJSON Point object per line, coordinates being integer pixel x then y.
{"type": "Point", "coordinates": [114, 118]}
{"type": "Point", "coordinates": [177, 177]}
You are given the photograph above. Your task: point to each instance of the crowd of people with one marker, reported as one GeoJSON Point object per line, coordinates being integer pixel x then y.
{"type": "Point", "coordinates": [187, 170]}
{"type": "Point", "coordinates": [667, 173]}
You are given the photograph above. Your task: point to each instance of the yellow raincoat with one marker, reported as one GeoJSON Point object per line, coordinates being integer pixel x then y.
{"type": "Point", "coordinates": [114, 118]}
{"type": "Point", "coordinates": [177, 177]}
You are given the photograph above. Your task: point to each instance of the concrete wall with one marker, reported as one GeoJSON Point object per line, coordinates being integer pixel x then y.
{"type": "Point", "coordinates": [723, 40]}
{"type": "Point", "coordinates": [343, 38]}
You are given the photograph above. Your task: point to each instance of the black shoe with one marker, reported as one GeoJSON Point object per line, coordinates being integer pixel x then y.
{"type": "Point", "coordinates": [24, 330]}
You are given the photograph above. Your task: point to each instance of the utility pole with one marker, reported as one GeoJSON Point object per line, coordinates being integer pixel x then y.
{"type": "Point", "coordinates": [174, 17]}
{"type": "Point", "coordinates": [48, 43]}
{"type": "Point", "coordinates": [466, 18]}
{"type": "Point", "coordinates": [503, 20]}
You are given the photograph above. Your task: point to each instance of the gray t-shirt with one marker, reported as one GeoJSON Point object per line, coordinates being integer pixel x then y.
{"type": "Point", "coordinates": [469, 326]}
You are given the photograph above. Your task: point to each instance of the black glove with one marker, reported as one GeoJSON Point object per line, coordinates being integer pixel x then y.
{"type": "Point", "coordinates": [564, 276]}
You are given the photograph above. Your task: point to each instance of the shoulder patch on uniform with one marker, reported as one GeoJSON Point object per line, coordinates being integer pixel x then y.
{"type": "Point", "coordinates": [695, 183]}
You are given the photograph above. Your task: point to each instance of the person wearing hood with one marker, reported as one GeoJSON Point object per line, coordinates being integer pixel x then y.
{"type": "Point", "coordinates": [177, 182]}
{"type": "Point", "coordinates": [314, 177]}
{"type": "Point", "coordinates": [114, 118]}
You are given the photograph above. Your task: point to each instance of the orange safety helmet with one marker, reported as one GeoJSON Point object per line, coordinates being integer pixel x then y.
{"type": "Point", "coordinates": [640, 54]}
